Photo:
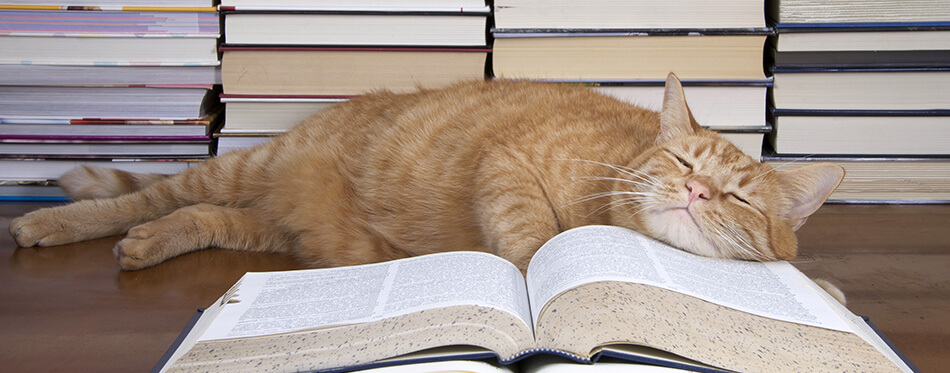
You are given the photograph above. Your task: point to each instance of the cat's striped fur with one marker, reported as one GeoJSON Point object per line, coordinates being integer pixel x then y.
{"type": "Point", "coordinates": [494, 166]}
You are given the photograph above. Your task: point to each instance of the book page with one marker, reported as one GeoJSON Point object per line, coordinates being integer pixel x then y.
{"type": "Point", "coordinates": [281, 302]}
{"type": "Point", "coordinates": [605, 253]}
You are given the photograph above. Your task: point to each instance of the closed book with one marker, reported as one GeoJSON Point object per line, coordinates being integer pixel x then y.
{"type": "Point", "coordinates": [271, 114]}
{"type": "Point", "coordinates": [350, 4]}
{"type": "Point", "coordinates": [107, 76]}
{"type": "Point", "coordinates": [879, 179]}
{"type": "Point", "coordinates": [862, 89]}
{"type": "Point", "coordinates": [50, 168]}
{"type": "Point", "coordinates": [618, 14]}
{"type": "Point", "coordinates": [98, 128]}
{"type": "Point", "coordinates": [345, 71]}
{"type": "Point", "coordinates": [862, 133]}
{"type": "Point", "coordinates": [861, 45]}
{"type": "Point", "coordinates": [62, 147]}
{"type": "Point", "coordinates": [229, 142]}
{"type": "Point", "coordinates": [857, 11]}
{"type": "Point", "coordinates": [106, 103]}
{"type": "Point", "coordinates": [182, 5]}
{"type": "Point", "coordinates": [607, 56]}
{"type": "Point", "coordinates": [109, 37]}
{"type": "Point", "coordinates": [389, 27]}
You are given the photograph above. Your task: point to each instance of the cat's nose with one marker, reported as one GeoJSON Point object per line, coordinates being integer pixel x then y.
{"type": "Point", "coordinates": [697, 190]}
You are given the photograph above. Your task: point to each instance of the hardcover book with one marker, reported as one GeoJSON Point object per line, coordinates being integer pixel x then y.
{"type": "Point", "coordinates": [552, 55]}
{"type": "Point", "coordinates": [458, 27]}
{"type": "Point", "coordinates": [894, 133]}
{"type": "Point", "coordinates": [350, 4]}
{"type": "Point", "coordinates": [881, 180]}
{"type": "Point", "coordinates": [271, 114]}
{"type": "Point", "coordinates": [857, 11]}
{"type": "Point", "coordinates": [345, 71]}
{"type": "Point", "coordinates": [618, 14]}
{"type": "Point", "coordinates": [918, 89]}
{"type": "Point", "coordinates": [589, 292]}
{"type": "Point", "coordinates": [861, 45]}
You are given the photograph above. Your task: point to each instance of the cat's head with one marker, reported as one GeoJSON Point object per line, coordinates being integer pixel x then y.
{"type": "Point", "coordinates": [700, 193]}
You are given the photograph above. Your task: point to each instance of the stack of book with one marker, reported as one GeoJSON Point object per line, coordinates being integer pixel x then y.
{"type": "Point", "coordinates": [626, 49]}
{"type": "Point", "coordinates": [105, 83]}
{"type": "Point", "coordinates": [284, 60]}
{"type": "Point", "coordinates": [867, 87]}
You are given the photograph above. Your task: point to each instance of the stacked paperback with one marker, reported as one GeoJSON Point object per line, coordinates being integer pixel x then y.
{"type": "Point", "coordinates": [285, 60]}
{"type": "Point", "coordinates": [868, 88]}
{"type": "Point", "coordinates": [626, 49]}
{"type": "Point", "coordinates": [107, 85]}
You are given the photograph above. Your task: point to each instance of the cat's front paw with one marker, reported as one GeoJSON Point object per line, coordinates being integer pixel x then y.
{"type": "Point", "coordinates": [137, 250]}
{"type": "Point", "coordinates": [39, 228]}
{"type": "Point", "coordinates": [147, 245]}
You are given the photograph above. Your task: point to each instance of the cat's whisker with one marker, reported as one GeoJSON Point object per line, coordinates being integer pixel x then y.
{"type": "Point", "coordinates": [622, 169]}
{"type": "Point", "coordinates": [758, 254]}
{"type": "Point", "coordinates": [746, 247]}
{"type": "Point", "coordinates": [731, 247]}
{"type": "Point", "coordinates": [641, 200]}
{"type": "Point", "coordinates": [626, 181]}
{"type": "Point", "coordinates": [594, 196]}
{"type": "Point", "coordinates": [645, 207]}
{"type": "Point", "coordinates": [738, 245]}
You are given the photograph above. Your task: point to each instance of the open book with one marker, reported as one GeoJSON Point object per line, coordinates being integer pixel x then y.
{"type": "Point", "coordinates": [590, 292]}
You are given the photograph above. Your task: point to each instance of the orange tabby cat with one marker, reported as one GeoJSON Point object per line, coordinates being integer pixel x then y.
{"type": "Point", "coordinates": [492, 166]}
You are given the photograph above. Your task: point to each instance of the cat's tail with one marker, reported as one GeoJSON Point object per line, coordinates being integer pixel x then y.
{"type": "Point", "coordinates": [90, 182]}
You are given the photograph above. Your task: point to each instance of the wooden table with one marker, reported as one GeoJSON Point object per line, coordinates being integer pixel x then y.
{"type": "Point", "coordinates": [70, 308]}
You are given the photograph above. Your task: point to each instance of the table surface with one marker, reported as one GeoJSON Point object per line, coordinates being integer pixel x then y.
{"type": "Point", "coordinates": [69, 308]}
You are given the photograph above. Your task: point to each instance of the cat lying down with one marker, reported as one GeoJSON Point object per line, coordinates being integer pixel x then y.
{"type": "Point", "coordinates": [496, 166]}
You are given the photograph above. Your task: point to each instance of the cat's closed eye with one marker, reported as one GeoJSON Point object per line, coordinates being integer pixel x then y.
{"type": "Point", "coordinates": [684, 163]}
{"type": "Point", "coordinates": [739, 199]}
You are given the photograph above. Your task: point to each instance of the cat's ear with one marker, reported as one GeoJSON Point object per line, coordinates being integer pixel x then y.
{"type": "Point", "coordinates": [809, 187]}
{"type": "Point", "coordinates": [675, 117]}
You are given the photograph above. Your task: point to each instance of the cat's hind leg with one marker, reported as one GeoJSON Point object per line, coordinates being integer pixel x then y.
{"type": "Point", "coordinates": [197, 227]}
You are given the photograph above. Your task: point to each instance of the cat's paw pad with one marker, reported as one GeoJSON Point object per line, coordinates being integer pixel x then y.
{"type": "Point", "coordinates": [38, 228]}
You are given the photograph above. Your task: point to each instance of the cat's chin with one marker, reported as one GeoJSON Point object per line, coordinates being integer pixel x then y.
{"type": "Point", "coordinates": [678, 227]}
